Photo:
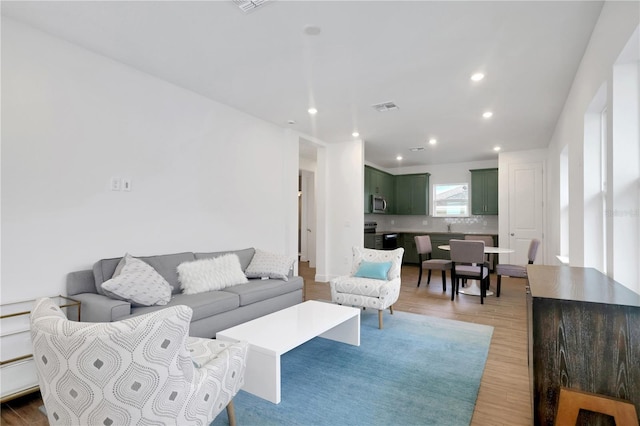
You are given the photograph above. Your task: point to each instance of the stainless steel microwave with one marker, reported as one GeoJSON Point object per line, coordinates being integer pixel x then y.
{"type": "Point", "coordinates": [378, 204]}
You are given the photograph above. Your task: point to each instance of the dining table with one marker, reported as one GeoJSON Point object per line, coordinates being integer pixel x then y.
{"type": "Point", "coordinates": [472, 288]}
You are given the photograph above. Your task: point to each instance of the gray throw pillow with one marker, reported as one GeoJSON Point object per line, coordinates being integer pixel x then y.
{"type": "Point", "coordinates": [138, 283]}
{"type": "Point", "coordinates": [269, 265]}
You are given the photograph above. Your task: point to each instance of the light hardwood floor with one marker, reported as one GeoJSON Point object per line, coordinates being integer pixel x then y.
{"type": "Point", "coordinates": [504, 397]}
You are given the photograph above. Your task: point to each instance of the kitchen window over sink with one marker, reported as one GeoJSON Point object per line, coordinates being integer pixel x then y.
{"type": "Point", "coordinates": [450, 200]}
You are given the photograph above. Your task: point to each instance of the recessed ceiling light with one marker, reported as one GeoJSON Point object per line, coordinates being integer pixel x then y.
{"type": "Point", "coordinates": [496, 148]}
{"type": "Point", "coordinates": [487, 114]}
{"type": "Point", "coordinates": [312, 30]}
{"type": "Point", "coordinates": [432, 141]}
{"type": "Point", "coordinates": [399, 157]}
{"type": "Point", "coordinates": [312, 111]}
{"type": "Point", "coordinates": [477, 76]}
{"type": "Point", "coordinates": [355, 134]}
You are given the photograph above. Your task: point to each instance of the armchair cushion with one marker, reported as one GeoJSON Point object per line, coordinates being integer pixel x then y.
{"type": "Point", "coordinates": [374, 270]}
{"type": "Point", "coordinates": [361, 286]}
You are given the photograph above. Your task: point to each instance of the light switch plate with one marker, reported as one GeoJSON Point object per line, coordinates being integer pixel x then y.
{"type": "Point", "coordinates": [116, 183]}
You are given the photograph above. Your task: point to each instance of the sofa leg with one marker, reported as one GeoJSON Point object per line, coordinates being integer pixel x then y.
{"type": "Point", "coordinates": [231, 413]}
{"type": "Point", "coordinates": [380, 320]}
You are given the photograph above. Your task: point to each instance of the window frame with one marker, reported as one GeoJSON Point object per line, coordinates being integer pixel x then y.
{"type": "Point", "coordinates": [467, 207]}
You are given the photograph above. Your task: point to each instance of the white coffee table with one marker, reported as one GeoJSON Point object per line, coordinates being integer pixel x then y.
{"type": "Point", "coordinates": [272, 335]}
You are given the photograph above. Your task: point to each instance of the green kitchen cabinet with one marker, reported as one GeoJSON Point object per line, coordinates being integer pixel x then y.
{"type": "Point", "coordinates": [410, 249]}
{"type": "Point", "coordinates": [441, 239]}
{"type": "Point", "coordinates": [411, 194]}
{"type": "Point", "coordinates": [377, 182]}
{"type": "Point", "coordinates": [367, 189]}
{"type": "Point", "coordinates": [484, 192]}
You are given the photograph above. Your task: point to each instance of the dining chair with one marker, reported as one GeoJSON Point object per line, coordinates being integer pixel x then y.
{"type": "Point", "coordinates": [517, 271]}
{"type": "Point", "coordinates": [467, 258]}
{"type": "Point", "coordinates": [423, 244]}
{"type": "Point", "coordinates": [488, 242]}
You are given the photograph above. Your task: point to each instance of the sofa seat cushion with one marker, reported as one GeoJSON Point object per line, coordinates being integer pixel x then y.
{"type": "Point", "coordinates": [360, 286]}
{"type": "Point", "coordinates": [257, 290]}
{"type": "Point", "coordinates": [203, 304]}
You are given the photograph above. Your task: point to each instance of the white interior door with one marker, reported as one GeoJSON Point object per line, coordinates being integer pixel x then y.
{"type": "Point", "coordinates": [525, 210]}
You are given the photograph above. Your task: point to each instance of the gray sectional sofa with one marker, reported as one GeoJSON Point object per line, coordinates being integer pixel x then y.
{"type": "Point", "coordinates": [212, 311]}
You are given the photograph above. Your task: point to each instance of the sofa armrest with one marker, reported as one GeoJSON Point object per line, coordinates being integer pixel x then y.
{"type": "Point", "coordinates": [80, 282]}
{"type": "Point", "coordinates": [98, 308]}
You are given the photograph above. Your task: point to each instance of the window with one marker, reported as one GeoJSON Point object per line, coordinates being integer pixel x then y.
{"type": "Point", "coordinates": [451, 200]}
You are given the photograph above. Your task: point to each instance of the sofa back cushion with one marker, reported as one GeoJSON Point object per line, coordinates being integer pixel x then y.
{"type": "Point", "coordinates": [166, 265]}
{"type": "Point", "coordinates": [245, 256]}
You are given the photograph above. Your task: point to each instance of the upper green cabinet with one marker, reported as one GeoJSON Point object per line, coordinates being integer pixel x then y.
{"type": "Point", "coordinates": [484, 192]}
{"type": "Point", "coordinates": [405, 194]}
{"type": "Point", "coordinates": [412, 194]}
{"type": "Point", "coordinates": [379, 183]}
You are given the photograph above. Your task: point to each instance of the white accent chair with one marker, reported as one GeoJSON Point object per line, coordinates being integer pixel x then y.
{"type": "Point", "coordinates": [368, 292]}
{"type": "Point", "coordinates": [142, 370]}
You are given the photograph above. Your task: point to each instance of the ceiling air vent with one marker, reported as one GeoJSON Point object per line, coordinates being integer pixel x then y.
{"type": "Point", "coordinates": [385, 106]}
{"type": "Point", "coordinates": [417, 149]}
{"type": "Point", "coordinates": [249, 5]}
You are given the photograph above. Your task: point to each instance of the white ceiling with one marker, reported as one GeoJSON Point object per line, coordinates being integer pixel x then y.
{"type": "Point", "coordinates": [418, 54]}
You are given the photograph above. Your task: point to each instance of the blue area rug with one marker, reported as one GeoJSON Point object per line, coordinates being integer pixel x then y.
{"type": "Point", "coordinates": [418, 370]}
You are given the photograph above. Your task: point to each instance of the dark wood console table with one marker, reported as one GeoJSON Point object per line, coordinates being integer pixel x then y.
{"type": "Point", "coordinates": [584, 334]}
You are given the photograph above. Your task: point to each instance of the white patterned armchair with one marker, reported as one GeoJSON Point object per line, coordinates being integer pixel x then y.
{"type": "Point", "coordinates": [144, 370]}
{"type": "Point", "coordinates": [365, 292]}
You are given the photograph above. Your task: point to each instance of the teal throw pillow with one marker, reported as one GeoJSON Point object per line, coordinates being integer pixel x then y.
{"type": "Point", "coordinates": [375, 270]}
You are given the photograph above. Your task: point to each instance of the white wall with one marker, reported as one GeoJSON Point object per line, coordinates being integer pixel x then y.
{"type": "Point", "coordinates": [204, 176]}
{"type": "Point", "coordinates": [341, 167]}
{"type": "Point", "coordinates": [616, 24]}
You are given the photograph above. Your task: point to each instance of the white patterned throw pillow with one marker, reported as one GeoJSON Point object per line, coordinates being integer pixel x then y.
{"type": "Point", "coordinates": [138, 283]}
{"type": "Point", "coordinates": [204, 275]}
{"type": "Point", "coordinates": [270, 265]}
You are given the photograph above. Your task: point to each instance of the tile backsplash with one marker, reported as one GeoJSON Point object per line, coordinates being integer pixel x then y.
{"type": "Point", "coordinates": [433, 224]}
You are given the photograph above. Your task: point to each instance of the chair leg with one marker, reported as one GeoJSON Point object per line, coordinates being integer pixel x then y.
{"type": "Point", "coordinates": [380, 320]}
{"type": "Point", "coordinates": [231, 413]}
{"type": "Point", "coordinates": [391, 309]}
{"type": "Point", "coordinates": [454, 284]}
{"type": "Point", "coordinates": [429, 277]}
{"type": "Point", "coordinates": [444, 280]}
{"type": "Point", "coordinates": [498, 286]}
{"type": "Point", "coordinates": [420, 275]}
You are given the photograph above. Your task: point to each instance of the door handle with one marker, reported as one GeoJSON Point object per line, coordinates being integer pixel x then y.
{"type": "Point", "coordinates": [308, 230]}
{"type": "Point", "coordinates": [512, 234]}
